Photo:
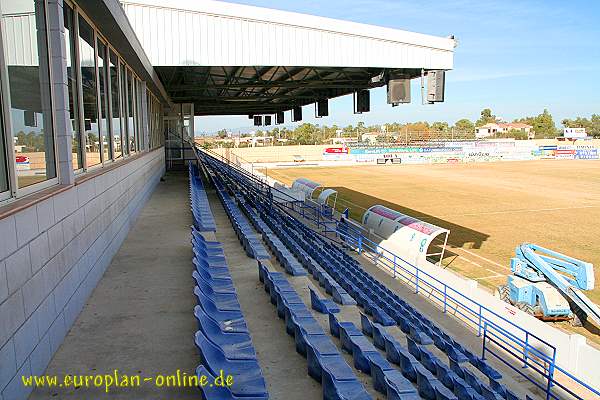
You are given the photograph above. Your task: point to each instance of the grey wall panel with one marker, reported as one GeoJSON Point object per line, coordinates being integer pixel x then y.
{"type": "Point", "coordinates": [75, 235]}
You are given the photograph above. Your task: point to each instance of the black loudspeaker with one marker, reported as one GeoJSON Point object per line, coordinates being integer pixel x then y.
{"type": "Point", "coordinates": [250, 116]}
{"type": "Point", "coordinates": [297, 114]}
{"type": "Point", "coordinates": [398, 91]}
{"type": "Point", "coordinates": [257, 120]}
{"type": "Point", "coordinates": [363, 102]}
{"type": "Point", "coordinates": [267, 120]}
{"type": "Point", "coordinates": [279, 118]}
{"type": "Point", "coordinates": [436, 80]}
{"type": "Point", "coordinates": [30, 119]}
{"type": "Point", "coordinates": [322, 108]}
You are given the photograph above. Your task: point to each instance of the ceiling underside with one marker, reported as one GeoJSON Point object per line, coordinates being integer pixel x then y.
{"type": "Point", "coordinates": [265, 90]}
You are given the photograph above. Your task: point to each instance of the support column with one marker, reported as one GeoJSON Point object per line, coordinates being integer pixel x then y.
{"type": "Point", "coordinates": [58, 80]}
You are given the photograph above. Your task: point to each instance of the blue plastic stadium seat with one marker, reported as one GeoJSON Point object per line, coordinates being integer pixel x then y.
{"type": "Point", "coordinates": [233, 348]}
{"type": "Point", "coordinates": [348, 329]}
{"type": "Point", "coordinates": [379, 367]}
{"type": "Point", "coordinates": [486, 369]}
{"type": "Point", "coordinates": [339, 382]}
{"type": "Point", "coordinates": [324, 306]}
{"type": "Point", "coordinates": [248, 377]}
{"type": "Point", "coordinates": [445, 375]}
{"type": "Point", "coordinates": [379, 336]}
{"type": "Point", "coordinates": [210, 391]}
{"type": "Point", "coordinates": [489, 394]}
{"type": "Point", "coordinates": [463, 391]}
{"type": "Point", "coordinates": [381, 317]}
{"type": "Point", "coordinates": [472, 380]}
{"type": "Point", "coordinates": [235, 324]}
{"type": "Point", "coordinates": [286, 299]}
{"type": "Point", "coordinates": [366, 325]}
{"type": "Point", "coordinates": [304, 326]}
{"type": "Point", "coordinates": [419, 336]}
{"type": "Point", "coordinates": [398, 387]}
{"type": "Point", "coordinates": [294, 310]}
{"type": "Point", "coordinates": [317, 347]}
{"type": "Point", "coordinates": [361, 350]}
{"type": "Point", "coordinates": [408, 365]}
{"type": "Point", "coordinates": [456, 355]}
{"type": "Point", "coordinates": [223, 302]}
{"type": "Point", "coordinates": [426, 383]}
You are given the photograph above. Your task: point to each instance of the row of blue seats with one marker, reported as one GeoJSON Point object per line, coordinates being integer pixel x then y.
{"type": "Point", "coordinates": [325, 363]}
{"type": "Point", "coordinates": [386, 378]}
{"type": "Point", "coordinates": [421, 330]}
{"type": "Point", "coordinates": [251, 242]}
{"type": "Point", "coordinates": [331, 286]}
{"type": "Point", "coordinates": [203, 218]}
{"type": "Point", "coordinates": [282, 254]}
{"type": "Point", "coordinates": [386, 307]}
{"type": "Point", "coordinates": [338, 293]}
{"type": "Point", "coordinates": [222, 339]}
{"type": "Point", "coordinates": [431, 373]}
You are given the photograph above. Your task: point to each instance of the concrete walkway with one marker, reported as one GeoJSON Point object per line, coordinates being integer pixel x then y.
{"type": "Point", "coordinates": [139, 319]}
{"type": "Point", "coordinates": [285, 371]}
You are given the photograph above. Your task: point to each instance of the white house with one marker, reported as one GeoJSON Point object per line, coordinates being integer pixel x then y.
{"type": "Point", "coordinates": [492, 129]}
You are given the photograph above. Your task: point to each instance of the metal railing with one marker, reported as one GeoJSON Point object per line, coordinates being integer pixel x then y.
{"type": "Point", "coordinates": [509, 338]}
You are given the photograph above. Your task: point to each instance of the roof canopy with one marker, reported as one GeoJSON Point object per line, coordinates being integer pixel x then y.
{"type": "Point", "coordinates": [235, 59]}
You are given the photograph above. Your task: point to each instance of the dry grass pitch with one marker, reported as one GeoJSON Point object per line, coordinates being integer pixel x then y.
{"type": "Point", "coordinates": [488, 207]}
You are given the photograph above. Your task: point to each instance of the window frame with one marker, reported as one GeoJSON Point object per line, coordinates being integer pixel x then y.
{"type": "Point", "coordinates": [14, 192]}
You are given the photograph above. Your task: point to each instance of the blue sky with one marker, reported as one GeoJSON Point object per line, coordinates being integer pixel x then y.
{"type": "Point", "coordinates": [516, 57]}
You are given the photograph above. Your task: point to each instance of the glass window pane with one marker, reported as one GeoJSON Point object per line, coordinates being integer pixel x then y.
{"type": "Point", "coordinates": [103, 89]}
{"type": "Point", "coordinates": [124, 123]}
{"type": "Point", "coordinates": [138, 114]}
{"type": "Point", "coordinates": [130, 119]}
{"type": "Point", "coordinates": [26, 56]}
{"type": "Point", "coordinates": [3, 161]}
{"type": "Point", "coordinates": [88, 81]}
{"type": "Point", "coordinates": [72, 86]}
{"type": "Point", "coordinates": [116, 105]}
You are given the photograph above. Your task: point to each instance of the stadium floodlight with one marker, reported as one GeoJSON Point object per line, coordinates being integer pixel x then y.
{"type": "Point", "coordinates": [258, 120]}
{"type": "Point", "coordinates": [297, 114]}
{"type": "Point", "coordinates": [321, 108]}
{"type": "Point", "coordinates": [279, 118]}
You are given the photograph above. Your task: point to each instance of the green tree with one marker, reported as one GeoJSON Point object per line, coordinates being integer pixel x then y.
{"type": "Point", "coordinates": [439, 126]}
{"type": "Point", "coordinates": [464, 125]}
{"type": "Point", "coordinates": [222, 133]}
{"type": "Point", "coordinates": [486, 117]}
{"type": "Point", "coordinates": [592, 125]}
{"type": "Point", "coordinates": [543, 124]}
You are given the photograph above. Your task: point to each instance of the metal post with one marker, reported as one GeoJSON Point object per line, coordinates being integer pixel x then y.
{"type": "Point", "coordinates": [445, 298]}
{"type": "Point", "coordinates": [483, 343]}
{"type": "Point", "coordinates": [526, 351]}
{"type": "Point", "coordinates": [479, 323]}
{"type": "Point", "coordinates": [417, 282]}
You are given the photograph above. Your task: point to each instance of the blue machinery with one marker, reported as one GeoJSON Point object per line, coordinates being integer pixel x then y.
{"type": "Point", "coordinates": [502, 338]}
{"type": "Point", "coordinates": [545, 283]}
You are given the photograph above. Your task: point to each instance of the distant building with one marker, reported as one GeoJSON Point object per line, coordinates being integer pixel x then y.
{"type": "Point", "coordinates": [341, 140]}
{"type": "Point", "coordinates": [492, 129]}
{"type": "Point", "coordinates": [371, 137]}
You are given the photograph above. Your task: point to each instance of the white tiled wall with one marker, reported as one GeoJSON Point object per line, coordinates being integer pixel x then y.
{"type": "Point", "coordinates": [53, 254]}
